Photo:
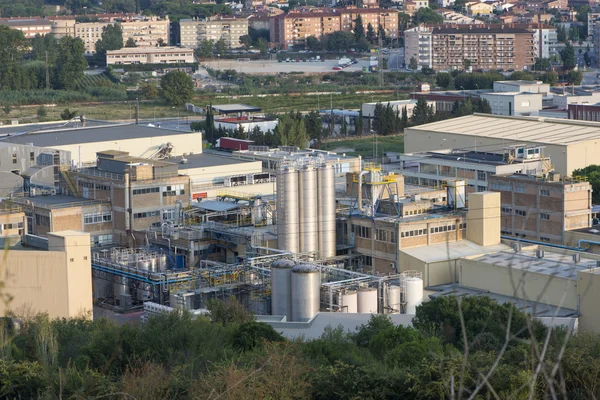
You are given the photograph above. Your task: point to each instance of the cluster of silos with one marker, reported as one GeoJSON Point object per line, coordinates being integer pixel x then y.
{"type": "Point", "coordinates": [306, 209]}
{"type": "Point", "coordinates": [295, 290]}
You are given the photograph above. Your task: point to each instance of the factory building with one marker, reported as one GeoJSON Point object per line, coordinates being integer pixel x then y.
{"type": "Point", "coordinates": [84, 142]}
{"type": "Point", "coordinates": [569, 144]}
{"type": "Point", "coordinates": [57, 281]}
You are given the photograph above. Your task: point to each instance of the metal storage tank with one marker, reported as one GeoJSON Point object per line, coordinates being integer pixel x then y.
{"type": "Point", "coordinates": [281, 288]}
{"type": "Point", "coordinates": [257, 214]}
{"type": "Point", "coordinates": [143, 264]}
{"type": "Point", "coordinates": [288, 227]}
{"type": "Point", "coordinates": [120, 287]}
{"type": "Point", "coordinates": [162, 262]}
{"type": "Point", "coordinates": [99, 288]}
{"type": "Point", "coordinates": [349, 302]}
{"type": "Point", "coordinates": [326, 208]}
{"type": "Point", "coordinates": [393, 300]}
{"type": "Point", "coordinates": [152, 264]}
{"type": "Point", "coordinates": [258, 305]}
{"type": "Point", "coordinates": [306, 296]}
{"type": "Point", "coordinates": [413, 295]}
{"type": "Point", "coordinates": [367, 301]}
{"type": "Point", "coordinates": [309, 220]}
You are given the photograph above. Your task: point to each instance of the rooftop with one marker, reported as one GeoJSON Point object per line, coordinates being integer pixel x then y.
{"type": "Point", "coordinates": [521, 82]}
{"type": "Point", "coordinates": [67, 136]}
{"type": "Point", "coordinates": [463, 156]}
{"type": "Point", "coordinates": [146, 50]}
{"type": "Point", "coordinates": [234, 108]}
{"type": "Point", "coordinates": [512, 94]}
{"type": "Point", "coordinates": [206, 160]}
{"type": "Point", "coordinates": [556, 264]}
{"type": "Point", "coordinates": [244, 120]}
{"type": "Point", "coordinates": [57, 201]}
{"type": "Point", "coordinates": [528, 129]}
{"type": "Point", "coordinates": [451, 251]}
{"type": "Point", "coordinates": [8, 130]}
{"type": "Point", "coordinates": [25, 22]}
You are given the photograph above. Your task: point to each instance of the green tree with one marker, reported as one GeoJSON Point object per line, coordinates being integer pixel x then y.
{"type": "Point", "coordinates": [561, 34]}
{"type": "Point", "coordinates": [12, 46]}
{"type": "Point", "coordinates": [70, 63]}
{"type": "Point", "coordinates": [549, 77]}
{"type": "Point", "coordinates": [250, 335]}
{"type": "Point", "coordinates": [246, 41]}
{"type": "Point", "coordinates": [426, 15]}
{"type": "Point", "coordinates": [574, 77]}
{"type": "Point", "coordinates": [228, 312]}
{"type": "Point", "coordinates": [359, 124]}
{"type": "Point", "coordinates": [592, 174]}
{"type": "Point", "coordinates": [210, 124]}
{"type": "Point", "coordinates": [587, 59]}
{"type": "Point", "coordinates": [403, 21]}
{"type": "Point", "coordinates": [291, 131]}
{"type": "Point", "coordinates": [130, 43]}
{"type": "Point", "coordinates": [484, 107]}
{"type": "Point", "coordinates": [205, 50]}
{"type": "Point", "coordinates": [262, 46]}
{"type": "Point", "coordinates": [443, 80]}
{"type": "Point", "coordinates": [220, 46]}
{"type": "Point", "coordinates": [42, 112]}
{"type": "Point", "coordinates": [67, 114]}
{"type": "Point", "coordinates": [344, 127]}
{"type": "Point", "coordinates": [149, 91]}
{"type": "Point", "coordinates": [176, 87]}
{"type": "Point", "coordinates": [314, 125]}
{"type": "Point", "coordinates": [371, 35]}
{"type": "Point", "coordinates": [413, 64]}
{"type": "Point", "coordinates": [421, 112]}
{"type": "Point", "coordinates": [7, 108]}
{"type": "Point", "coordinates": [313, 43]}
{"type": "Point", "coordinates": [111, 39]}
{"type": "Point", "coordinates": [381, 33]}
{"type": "Point", "coordinates": [359, 29]}
{"type": "Point", "coordinates": [582, 14]}
{"type": "Point", "coordinates": [466, 64]}
{"type": "Point", "coordinates": [542, 64]}
{"type": "Point", "coordinates": [404, 118]}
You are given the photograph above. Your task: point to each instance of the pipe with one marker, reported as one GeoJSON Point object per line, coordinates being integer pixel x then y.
{"type": "Point", "coordinates": [360, 177]}
{"type": "Point", "coordinates": [588, 242]}
{"type": "Point", "coordinates": [558, 246]}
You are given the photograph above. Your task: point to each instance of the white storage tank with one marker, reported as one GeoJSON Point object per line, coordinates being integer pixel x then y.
{"type": "Point", "coordinates": [281, 288]}
{"type": "Point", "coordinates": [414, 294]}
{"type": "Point", "coordinates": [288, 223]}
{"type": "Point", "coordinates": [306, 286]}
{"type": "Point", "coordinates": [326, 204]}
{"type": "Point", "coordinates": [309, 217]}
{"type": "Point", "coordinates": [393, 300]}
{"type": "Point", "coordinates": [349, 302]}
{"type": "Point", "coordinates": [367, 301]}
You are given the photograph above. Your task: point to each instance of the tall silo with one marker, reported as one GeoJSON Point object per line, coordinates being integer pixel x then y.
{"type": "Point", "coordinates": [349, 301]}
{"type": "Point", "coordinates": [309, 222]}
{"type": "Point", "coordinates": [281, 288]}
{"type": "Point", "coordinates": [287, 210]}
{"type": "Point", "coordinates": [414, 294]}
{"type": "Point", "coordinates": [306, 296]}
{"type": "Point", "coordinates": [326, 204]}
{"type": "Point", "coordinates": [367, 300]}
{"type": "Point", "coordinates": [393, 299]}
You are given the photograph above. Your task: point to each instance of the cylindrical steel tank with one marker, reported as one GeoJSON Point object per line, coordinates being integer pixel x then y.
{"type": "Point", "coordinates": [326, 210]}
{"type": "Point", "coordinates": [162, 262]}
{"type": "Point", "coordinates": [413, 295]}
{"type": "Point", "coordinates": [120, 286]}
{"type": "Point", "coordinates": [99, 288]}
{"type": "Point", "coordinates": [288, 223]}
{"type": "Point", "coordinates": [153, 263]}
{"type": "Point", "coordinates": [143, 264]}
{"type": "Point", "coordinates": [367, 301]}
{"type": "Point", "coordinates": [306, 296]}
{"type": "Point", "coordinates": [281, 288]}
{"type": "Point", "coordinates": [309, 220]}
{"type": "Point", "coordinates": [258, 305]}
{"type": "Point", "coordinates": [393, 300]}
{"type": "Point", "coordinates": [257, 214]}
{"type": "Point", "coordinates": [349, 302]}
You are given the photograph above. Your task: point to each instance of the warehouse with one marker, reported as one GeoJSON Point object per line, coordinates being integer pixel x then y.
{"type": "Point", "coordinates": [137, 140]}
{"type": "Point", "coordinates": [569, 144]}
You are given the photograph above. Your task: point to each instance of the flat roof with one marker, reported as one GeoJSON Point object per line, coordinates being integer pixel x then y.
{"type": "Point", "coordinates": [478, 157]}
{"type": "Point", "coordinates": [451, 251]}
{"type": "Point", "coordinates": [556, 264]}
{"type": "Point", "coordinates": [146, 50]}
{"type": "Point", "coordinates": [521, 82]}
{"type": "Point", "coordinates": [233, 108]}
{"type": "Point", "coordinates": [57, 201]}
{"type": "Point", "coordinates": [214, 205]}
{"type": "Point", "coordinates": [523, 129]}
{"type": "Point", "coordinates": [7, 130]}
{"type": "Point", "coordinates": [62, 137]}
{"type": "Point", "coordinates": [206, 160]}
{"type": "Point", "coordinates": [511, 94]}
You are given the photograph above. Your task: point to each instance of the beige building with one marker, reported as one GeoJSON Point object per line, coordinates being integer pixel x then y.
{"type": "Point", "coordinates": [150, 55]}
{"type": "Point", "coordinates": [29, 26]}
{"type": "Point", "coordinates": [488, 47]}
{"type": "Point", "coordinates": [229, 29]}
{"type": "Point", "coordinates": [569, 144]}
{"type": "Point", "coordinates": [294, 27]}
{"type": "Point", "coordinates": [57, 281]}
{"type": "Point", "coordinates": [542, 207]}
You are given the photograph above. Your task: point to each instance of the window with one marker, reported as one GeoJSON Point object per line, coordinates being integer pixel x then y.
{"type": "Point", "coordinates": [500, 186]}
{"type": "Point", "coordinates": [481, 175]}
{"type": "Point", "coordinates": [545, 216]}
{"type": "Point", "coordinates": [31, 156]}
{"type": "Point", "coordinates": [173, 190]}
{"type": "Point", "coordinates": [481, 188]}
{"type": "Point", "coordinates": [506, 210]}
{"type": "Point", "coordinates": [463, 225]}
{"type": "Point", "coordinates": [147, 214]}
{"type": "Point", "coordinates": [146, 190]}
{"type": "Point", "coordinates": [544, 192]}
{"type": "Point", "coordinates": [101, 240]}
{"type": "Point", "coordinates": [97, 217]}
{"type": "Point", "coordinates": [368, 261]}
{"type": "Point", "coordinates": [42, 220]}
{"type": "Point", "coordinates": [14, 158]}
{"type": "Point", "coordinates": [385, 236]}
{"type": "Point", "coordinates": [362, 231]}
{"type": "Point", "coordinates": [521, 213]}
{"type": "Point", "coordinates": [168, 215]}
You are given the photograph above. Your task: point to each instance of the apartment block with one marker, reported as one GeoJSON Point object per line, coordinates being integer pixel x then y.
{"type": "Point", "coordinates": [29, 26]}
{"type": "Point", "coordinates": [294, 27]}
{"type": "Point", "coordinates": [542, 207]}
{"type": "Point", "coordinates": [230, 29]}
{"type": "Point", "coordinates": [150, 55]}
{"type": "Point", "coordinates": [488, 47]}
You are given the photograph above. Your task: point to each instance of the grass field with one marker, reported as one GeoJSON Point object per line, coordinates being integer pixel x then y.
{"type": "Point", "coordinates": [365, 146]}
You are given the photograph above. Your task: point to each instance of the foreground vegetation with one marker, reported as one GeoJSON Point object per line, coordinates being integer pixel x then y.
{"type": "Point", "coordinates": [500, 353]}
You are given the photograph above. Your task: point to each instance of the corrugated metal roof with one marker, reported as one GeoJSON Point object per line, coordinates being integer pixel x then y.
{"type": "Point", "coordinates": [213, 205]}
{"type": "Point", "coordinates": [525, 129]}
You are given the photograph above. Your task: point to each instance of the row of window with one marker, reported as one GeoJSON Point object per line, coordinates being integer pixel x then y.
{"type": "Point", "coordinates": [16, 225]}
{"type": "Point", "coordinates": [146, 214]}
{"type": "Point", "coordinates": [42, 220]}
{"type": "Point", "coordinates": [97, 217]}
{"type": "Point", "coordinates": [385, 236]}
{"type": "Point", "coordinates": [436, 229]}
{"type": "Point", "coordinates": [173, 190]}
{"type": "Point", "coordinates": [90, 185]}
{"type": "Point", "coordinates": [101, 240]}
{"type": "Point", "coordinates": [361, 231]}
{"type": "Point", "coordinates": [146, 190]}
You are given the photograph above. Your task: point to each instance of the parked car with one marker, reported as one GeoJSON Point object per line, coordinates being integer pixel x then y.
{"type": "Point", "coordinates": [336, 68]}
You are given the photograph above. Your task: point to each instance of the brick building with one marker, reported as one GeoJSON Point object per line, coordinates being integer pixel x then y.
{"type": "Point", "coordinates": [584, 112]}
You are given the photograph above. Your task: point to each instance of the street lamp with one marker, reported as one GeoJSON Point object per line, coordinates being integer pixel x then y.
{"type": "Point", "coordinates": [177, 116]}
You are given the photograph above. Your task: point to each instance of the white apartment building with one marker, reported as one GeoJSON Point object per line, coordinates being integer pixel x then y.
{"type": "Point", "coordinates": [506, 103]}
{"type": "Point", "coordinates": [545, 42]}
{"type": "Point", "coordinates": [418, 45]}
{"type": "Point", "coordinates": [230, 29]}
{"type": "Point", "coordinates": [150, 55]}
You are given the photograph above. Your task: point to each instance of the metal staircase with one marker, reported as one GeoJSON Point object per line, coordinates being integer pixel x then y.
{"type": "Point", "coordinates": [68, 178]}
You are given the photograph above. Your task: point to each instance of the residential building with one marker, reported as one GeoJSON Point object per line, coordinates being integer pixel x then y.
{"type": "Point", "coordinates": [229, 29]}
{"type": "Point", "coordinates": [479, 8]}
{"type": "Point", "coordinates": [29, 26]}
{"type": "Point", "coordinates": [542, 207]}
{"type": "Point", "coordinates": [294, 27]}
{"type": "Point", "coordinates": [592, 18]}
{"type": "Point", "coordinates": [57, 282]}
{"type": "Point", "coordinates": [247, 124]}
{"type": "Point", "coordinates": [452, 17]}
{"type": "Point", "coordinates": [150, 55]}
{"type": "Point", "coordinates": [567, 150]}
{"type": "Point", "coordinates": [445, 3]}
{"type": "Point", "coordinates": [436, 168]}
{"type": "Point", "coordinates": [515, 103]}
{"type": "Point", "coordinates": [521, 86]}
{"type": "Point", "coordinates": [146, 30]}
{"type": "Point", "coordinates": [412, 6]}
{"type": "Point", "coordinates": [488, 47]}
{"type": "Point", "coordinates": [584, 112]}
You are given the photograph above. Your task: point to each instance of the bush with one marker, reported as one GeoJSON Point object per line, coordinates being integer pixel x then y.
{"type": "Point", "coordinates": [42, 112]}
{"type": "Point", "coordinates": [68, 114]}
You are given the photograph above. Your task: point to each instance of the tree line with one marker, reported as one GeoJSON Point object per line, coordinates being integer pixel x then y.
{"type": "Point", "coordinates": [457, 348]}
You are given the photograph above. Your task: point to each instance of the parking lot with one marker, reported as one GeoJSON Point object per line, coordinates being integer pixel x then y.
{"type": "Point", "coordinates": [271, 67]}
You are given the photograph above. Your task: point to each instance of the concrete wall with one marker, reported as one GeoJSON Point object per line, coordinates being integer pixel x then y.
{"type": "Point", "coordinates": [437, 273]}
{"type": "Point", "coordinates": [518, 104]}
{"type": "Point", "coordinates": [483, 218]}
{"type": "Point", "coordinates": [57, 282]}
{"type": "Point", "coordinates": [589, 296]}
